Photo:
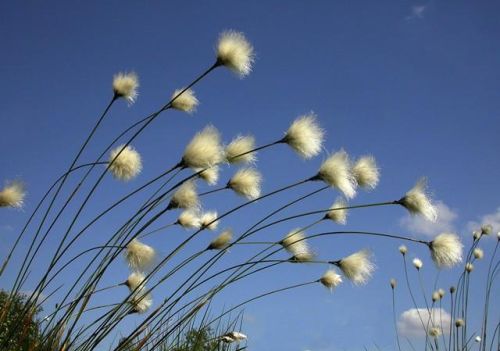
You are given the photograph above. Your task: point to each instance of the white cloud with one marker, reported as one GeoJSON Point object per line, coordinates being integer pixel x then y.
{"type": "Point", "coordinates": [410, 321]}
{"type": "Point", "coordinates": [490, 218]}
{"type": "Point", "coordinates": [417, 12]}
{"type": "Point", "coordinates": [419, 225]}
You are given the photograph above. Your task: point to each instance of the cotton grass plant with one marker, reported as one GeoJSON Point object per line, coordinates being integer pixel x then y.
{"type": "Point", "coordinates": [202, 264]}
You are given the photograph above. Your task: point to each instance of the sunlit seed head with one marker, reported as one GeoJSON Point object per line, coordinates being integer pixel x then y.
{"type": "Point", "coordinates": [186, 102]}
{"type": "Point", "coordinates": [125, 163]}
{"type": "Point", "coordinates": [189, 219]}
{"type": "Point", "coordinates": [222, 240]}
{"type": "Point", "coordinates": [435, 296]}
{"type": "Point", "coordinates": [441, 293]}
{"type": "Point", "coordinates": [446, 250]}
{"type": "Point", "coordinates": [477, 339]}
{"type": "Point", "coordinates": [209, 220]}
{"type": "Point", "coordinates": [295, 243]}
{"type": "Point", "coordinates": [469, 267]}
{"type": "Point", "coordinates": [134, 280]}
{"type": "Point", "coordinates": [235, 52]}
{"type": "Point", "coordinates": [305, 136]}
{"type": "Point", "coordinates": [366, 172]}
{"type": "Point", "coordinates": [141, 301]}
{"type": "Point", "coordinates": [418, 202]}
{"type": "Point", "coordinates": [185, 197]}
{"type": "Point", "coordinates": [336, 172]}
{"type": "Point", "coordinates": [486, 229]}
{"type": "Point", "coordinates": [358, 267]}
{"type": "Point", "coordinates": [139, 256]}
{"type": "Point", "coordinates": [476, 235]}
{"type": "Point", "coordinates": [393, 283]}
{"type": "Point", "coordinates": [13, 194]}
{"type": "Point", "coordinates": [435, 332]}
{"type": "Point", "coordinates": [246, 182]}
{"type": "Point", "coordinates": [478, 253]}
{"type": "Point", "coordinates": [403, 249]}
{"type": "Point", "coordinates": [459, 323]}
{"type": "Point", "coordinates": [210, 175]}
{"type": "Point", "coordinates": [330, 279]}
{"type": "Point", "coordinates": [237, 336]}
{"type": "Point", "coordinates": [125, 86]}
{"type": "Point", "coordinates": [238, 150]}
{"type": "Point", "coordinates": [417, 263]}
{"type": "Point", "coordinates": [204, 150]}
{"type": "Point", "coordinates": [338, 212]}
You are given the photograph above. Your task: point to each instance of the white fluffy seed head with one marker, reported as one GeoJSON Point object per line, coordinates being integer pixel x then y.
{"type": "Point", "coordinates": [186, 102]}
{"type": "Point", "coordinates": [295, 243]}
{"type": "Point", "coordinates": [141, 301]}
{"type": "Point", "coordinates": [459, 323]}
{"type": "Point", "coordinates": [418, 202]}
{"type": "Point", "coordinates": [204, 150]}
{"type": "Point", "coordinates": [393, 283]}
{"type": "Point", "coordinates": [139, 256]}
{"type": "Point", "coordinates": [478, 253]}
{"type": "Point", "coordinates": [435, 296]}
{"type": "Point", "coordinates": [125, 164]}
{"type": "Point", "coordinates": [358, 267]}
{"type": "Point", "coordinates": [336, 172]}
{"type": "Point", "coordinates": [469, 267]}
{"type": "Point", "coordinates": [403, 249]}
{"type": "Point", "coordinates": [476, 235]}
{"type": "Point", "coordinates": [246, 182]}
{"type": "Point", "coordinates": [330, 279]}
{"type": "Point", "coordinates": [208, 220]}
{"type": "Point", "coordinates": [486, 229]}
{"type": "Point", "coordinates": [210, 175]}
{"type": "Point", "coordinates": [441, 293]}
{"type": "Point", "coordinates": [435, 332]}
{"type": "Point", "coordinates": [366, 172]}
{"type": "Point", "coordinates": [222, 240]}
{"type": "Point", "coordinates": [237, 336]}
{"type": "Point", "coordinates": [189, 219]}
{"type": "Point", "coordinates": [477, 339]}
{"type": "Point", "coordinates": [185, 197]}
{"type": "Point", "coordinates": [13, 194]}
{"type": "Point", "coordinates": [337, 212]}
{"type": "Point", "coordinates": [417, 262]}
{"type": "Point", "coordinates": [235, 52]}
{"type": "Point", "coordinates": [125, 86]}
{"type": "Point", "coordinates": [305, 136]}
{"type": "Point", "coordinates": [134, 280]}
{"type": "Point", "coordinates": [446, 250]}
{"type": "Point", "coordinates": [241, 145]}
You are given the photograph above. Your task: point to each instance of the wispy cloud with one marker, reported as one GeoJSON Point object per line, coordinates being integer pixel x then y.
{"type": "Point", "coordinates": [417, 12]}
{"type": "Point", "coordinates": [420, 226]}
{"type": "Point", "coordinates": [490, 218]}
{"type": "Point", "coordinates": [414, 322]}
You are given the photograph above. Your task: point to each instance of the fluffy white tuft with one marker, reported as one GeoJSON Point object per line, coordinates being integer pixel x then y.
{"type": "Point", "coordinates": [469, 267]}
{"type": "Point", "coordinates": [246, 182]}
{"type": "Point", "coordinates": [189, 219]}
{"type": "Point", "coordinates": [13, 194]}
{"type": "Point", "coordinates": [204, 150]}
{"type": "Point", "coordinates": [235, 52]}
{"type": "Point", "coordinates": [241, 145]}
{"type": "Point", "coordinates": [417, 201]}
{"type": "Point", "coordinates": [186, 102]}
{"type": "Point", "coordinates": [210, 175]}
{"type": "Point", "coordinates": [139, 256]}
{"type": "Point", "coordinates": [295, 243]}
{"type": "Point", "coordinates": [233, 337]}
{"type": "Point", "coordinates": [208, 220]}
{"type": "Point", "coordinates": [478, 253]}
{"type": "Point", "coordinates": [403, 249]}
{"type": "Point", "coordinates": [446, 250]}
{"type": "Point", "coordinates": [305, 136]}
{"type": "Point", "coordinates": [337, 212]}
{"type": "Point", "coordinates": [358, 267]}
{"type": "Point", "coordinates": [125, 85]}
{"type": "Point", "coordinates": [417, 262]}
{"type": "Point", "coordinates": [185, 197]}
{"type": "Point", "coordinates": [366, 172]}
{"type": "Point", "coordinates": [336, 172]}
{"type": "Point", "coordinates": [134, 280]}
{"type": "Point", "coordinates": [222, 240]}
{"type": "Point", "coordinates": [141, 301]}
{"type": "Point", "coordinates": [331, 279]}
{"type": "Point", "coordinates": [125, 165]}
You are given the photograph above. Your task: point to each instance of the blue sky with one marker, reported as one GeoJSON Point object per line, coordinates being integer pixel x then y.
{"type": "Point", "coordinates": [413, 83]}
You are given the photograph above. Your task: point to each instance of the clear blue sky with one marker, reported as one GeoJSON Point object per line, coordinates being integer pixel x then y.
{"type": "Point", "coordinates": [416, 84]}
